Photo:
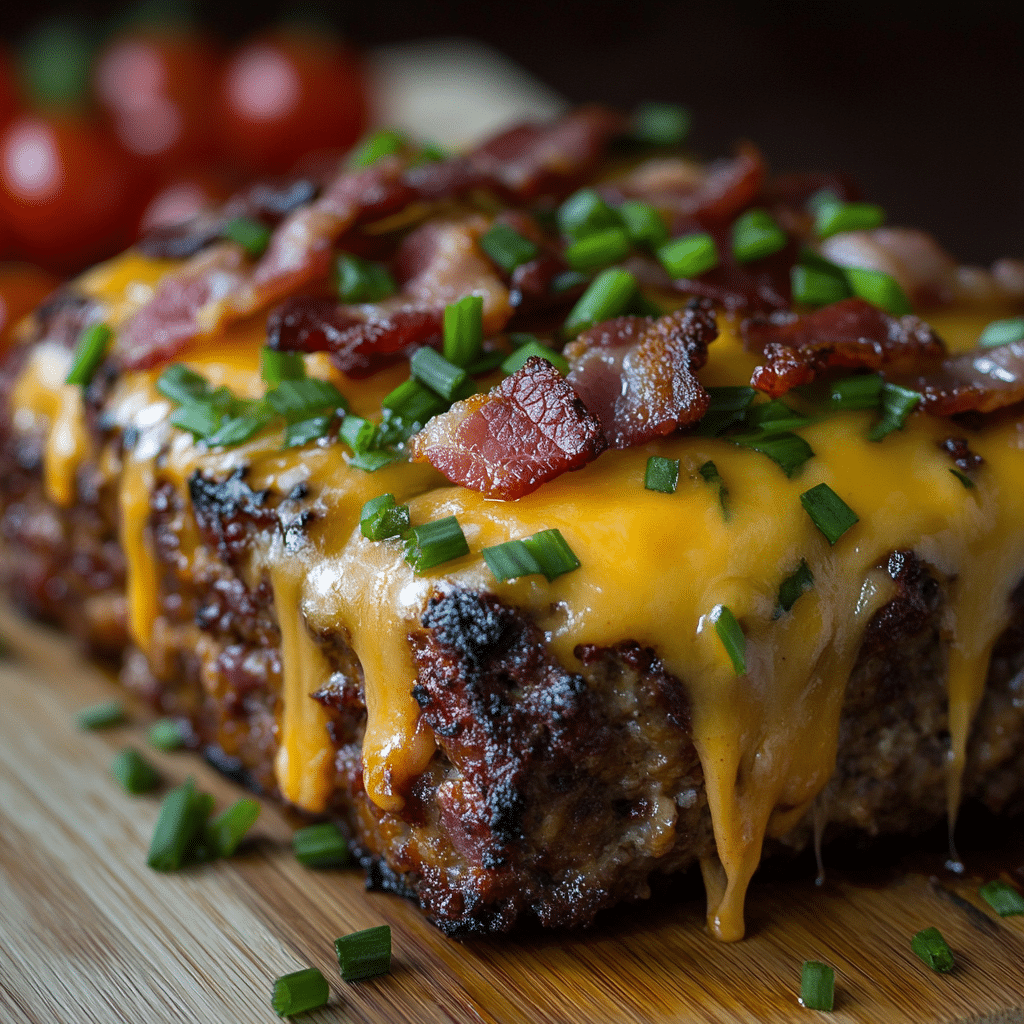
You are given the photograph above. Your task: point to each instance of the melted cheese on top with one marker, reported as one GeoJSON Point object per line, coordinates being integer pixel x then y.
{"type": "Point", "coordinates": [654, 568]}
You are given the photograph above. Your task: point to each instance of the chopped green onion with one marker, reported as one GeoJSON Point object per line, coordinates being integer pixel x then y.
{"type": "Point", "coordinates": [756, 235]}
{"type": "Point", "coordinates": [862, 391]}
{"type": "Point", "coordinates": [278, 366]}
{"type": "Point", "coordinates": [1003, 898]}
{"type": "Point", "coordinates": [357, 280]}
{"type": "Point", "coordinates": [817, 986]}
{"type": "Point", "coordinates": [320, 846]}
{"type": "Point", "coordinates": [166, 734]}
{"type": "Point", "coordinates": [435, 542]}
{"type": "Point", "coordinates": [829, 512]}
{"type": "Point", "coordinates": [932, 948]}
{"type": "Point", "coordinates": [774, 417]}
{"type": "Point", "coordinates": [299, 399]}
{"type": "Point", "coordinates": [897, 404]}
{"type": "Point", "coordinates": [487, 362]}
{"type": "Point", "coordinates": [733, 639]}
{"type": "Point", "coordinates": [643, 223]}
{"type": "Point", "coordinates": [303, 432]}
{"type": "Point", "coordinates": [689, 256]}
{"type": "Point", "coordinates": [568, 281]}
{"type": "Point", "coordinates": [464, 330]}
{"type": "Point", "coordinates": [963, 478]}
{"type": "Point", "coordinates": [250, 234]}
{"type": "Point", "coordinates": [709, 471]}
{"type": "Point", "coordinates": [375, 147]}
{"type": "Point", "coordinates": [793, 586]}
{"type": "Point", "coordinates": [430, 153]}
{"type": "Point", "coordinates": [414, 402]}
{"type": "Point", "coordinates": [641, 305]}
{"type": "Point", "coordinates": [102, 716]}
{"type": "Point", "coordinates": [300, 991]}
{"type": "Point", "coordinates": [364, 954]}
{"type": "Point", "coordinates": [1002, 332]}
{"type": "Point", "coordinates": [728, 406]}
{"type": "Point", "coordinates": [878, 288]}
{"type": "Point", "coordinates": [608, 296]}
{"type": "Point", "coordinates": [661, 474]}
{"type": "Point", "coordinates": [510, 560]}
{"type": "Point", "coordinates": [534, 348]}
{"type": "Point", "coordinates": [223, 834]}
{"type": "Point", "coordinates": [183, 815]}
{"type": "Point", "coordinates": [381, 518]}
{"type": "Point", "coordinates": [597, 250]}
{"type": "Point", "coordinates": [507, 248]}
{"type": "Point", "coordinates": [552, 553]}
{"type": "Point", "coordinates": [585, 212]}
{"type": "Point", "coordinates": [199, 419]}
{"type": "Point", "coordinates": [357, 433]}
{"type": "Point", "coordinates": [517, 339]}
{"type": "Point", "coordinates": [813, 286]}
{"type": "Point", "coordinates": [90, 349]}
{"type": "Point", "coordinates": [832, 218]}
{"type": "Point", "coordinates": [660, 124]}
{"type": "Point", "coordinates": [370, 462]}
{"type": "Point", "coordinates": [134, 772]}
{"type": "Point", "coordinates": [437, 373]}
{"type": "Point", "coordinates": [238, 429]}
{"type": "Point", "coordinates": [788, 451]}
{"type": "Point", "coordinates": [182, 385]}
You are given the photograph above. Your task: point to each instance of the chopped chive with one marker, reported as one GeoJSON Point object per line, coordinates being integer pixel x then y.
{"type": "Point", "coordinates": [689, 256]}
{"type": "Point", "coordinates": [464, 330]}
{"type": "Point", "coordinates": [552, 553]}
{"type": "Point", "coordinates": [817, 986]}
{"type": "Point", "coordinates": [608, 296]}
{"type": "Point", "coordinates": [299, 399]}
{"type": "Point", "coordinates": [381, 518]}
{"type": "Point", "coordinates": [643, 223]}
{"type": "Point", "coordinates": [166, 734]}
{"type": "Point", "coordinates": [567, 281]}
{"type": "Point", "coordinates": [299, 991]}
{"type": "Point", "coordinates": [357, 433]}
{"type": "Point", "coordinates": [278, 366]}
{"type": "Point", "coordinates": [238, 429]}
{"type": "Point", "coordinates": [183, 814]}
{"type": "Point", "coordinates": [320, 846]}
{"type": "Point", "coordinates": [932, 948]}
{"type": "Point", "coordinates": [223, 834]}
{"type": "Point", "coordinates": [774, 417]}
{"type": "Point", "coordinates": [1003, 898]}
{"type": "Point", "coordinates": [250, 234]}
{"type": "Point", "coordinates": [375, 147]}
{"type": "Point", "coordinates": [733, 639]}
{"type": "Point", "coordinates": [728, 406]}
{"type": "Point", "coordinates": [102, 716]}
{"type": "Point", "coordinates": [90, 348]}
{"type": "Point", "coordinates": [756, 235]}
{"type": "Point", "coordinates": [507, 248]}
{"type": "Point", "coordinates": [641, 305]}
{"type": "Point", "coordinates": [370, 462]}
{"type": "Point", "coordinates": [510, 560]}
{"type": "Point", "coordinates": [414, 402]}
{"type": "Point", "coordinates": [897, 404]}
{"type": "Point", "coordinates": [437, 373]}
{"type": "Point", "coordinates": [859, 392]}
{"type": "Point", "coordinates": [585, 212]}
{"type": "Point", "coordinates": [303, 432]}
{"type": "Point", "coordinates": [660, 124]}
{"type": "Point", "coordinates": [430, 153]}
{"type": "Point", "coordinates": [813, 286]}
{"type": "Point", "coordinates": [517, 339]}
{"type": "Point", "coordinates": [364, 954]}
{"type": "Point", "coordinates": [597, 250]}
{"type": "Point", "coordinates": [199, 418]}
{"type": "Point", "coordinates": [878, 288]}
{"type": "Point", "coordinates": [789, 451]}
{"type": "Point", "coordinates": [709, 471]}
{"type": "Point", "coordinates": [134, 772]}
{"type": "Point", "coordinates": [793, 586]}
{"type": "Point", "coordinates": [963, 478]}
{"type": "Point", "coordinates": [534, 348]}
{"type": "Point", "coordinates": [1002, 332]}
{"type": "Point", "coordinates": [832, 218]}
{"type": "Point", "coordinates": [357, 280]}
{"type": "Point", "coordinates": [434, 543]}
{"type": "Point", "coordinates": [661, 474]}
{"type": "Point", "coordinates": [829, 512]}
{"type": "Point", "coordinates": [182, 385]}
{"type": "Point", "coordinates": [487, 362]}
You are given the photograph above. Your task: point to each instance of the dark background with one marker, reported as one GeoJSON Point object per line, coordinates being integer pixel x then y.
{"type": "Point", "coordinates": [923, 105]}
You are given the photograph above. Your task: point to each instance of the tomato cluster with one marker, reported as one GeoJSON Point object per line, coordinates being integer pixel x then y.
{"type": "Point", "coordinates": [160, 122]}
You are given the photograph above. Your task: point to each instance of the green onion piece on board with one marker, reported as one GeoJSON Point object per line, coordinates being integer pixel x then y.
{"type": "Point", "coordinates": [660, 124]}
{"type": "Point", "coordinates": [828, 511]}
{"type": "Point", "coordinates": [357, 280]}
{"type": "Point", "coordinates": [320, 846]}
{"type": "Point", "coordinates": [812, 286]}
{"type": "Point", "coordinates": [689, 256]}
{"type": "Point", "coordinates": [375, 147]}
{"type": "Point", "coordinates": [793, 586]}
{"type": "Point", "coordinates": [278, 366]}
{"type": "Point", "coordinates": [756, 235]}
{"type": "Point", "coordinates": [878, 288]}
{"type": "Point", "coordinates": [609, 294]}
{"type": "Point", "coordinates": [464, 330]}
{"type": "Point", "coordinates": [787, 450]}
{"type": "Point", "coordinates": [300, 991]}
{"type": "Point", "coordinates": [250, 234]}
{"type": "Point", "coordinates": [863, 391]}
{"type": "Point", "coordinates": [597, 250]}
{"type": "Point", "coordinates": [1002, 332]}
{"type": "Point", "coordinates": [134, 772]}
{"type": "Point", "coordinates": [897, 404]}
{"type": "Point", "coordinates": [1003, 898]}
{"type": "Point", "coordinates": [552, 553]}
{"type": "Point", "coordinates": [223, 834]}
{"type": "Point", "coordinates": [183, 815]}
{"type": "Point", "coordinates": [817, 986]}
{"type": "Point", "coordinates": [534, 348]}
{"type": "Point", "coordinates": [931, 947]}
{"type": "Point", "coordinates": [102, 716]}
{"type": "Point", "coordinates": [661, 474]}
{"type": "Point", "coordinates": [510, 560]}
{"type": "Point", "coordinates": [643, 224]}
{"type": "Point", "coordinates": [437, 373]}
{"type": "Point", "coordinates": [832, 218]}
{"type": "Point", "coordinates": [733, 639]}
{"type": "Point", "coordinates": [365, 954]}
{"type": "Point", "coordinates": [166, 734]}
{"type": "Point", "coordinates": [507, 248]}
{"type": "Point", "coordinates": [585, 212]}
{"type": "Point", "coordinates": [90, 349]}
{"type": "Point", "coordinates": [381, 518]}
{"type": "Point", "coordinates": [434, 543]}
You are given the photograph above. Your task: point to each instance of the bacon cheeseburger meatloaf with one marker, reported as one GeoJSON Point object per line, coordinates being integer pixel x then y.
{"type": "Point", "coordinates": [310, 482]}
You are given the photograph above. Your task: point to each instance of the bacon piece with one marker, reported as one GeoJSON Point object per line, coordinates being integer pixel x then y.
{"type": "Point", "coordinates": [636, 374]}
{"type": "Point", "coordinates": [980, 381]}
{"type": "Point", "coordinates": [850, 333]}
{"type": "Point", "coordinates": [527, 430]}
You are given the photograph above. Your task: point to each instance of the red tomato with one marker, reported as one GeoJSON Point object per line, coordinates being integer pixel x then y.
{"type": "Point", "coordinates": [67, 193]}
{"type": "Point", "coordinates": [287, 94]}
{"type": "Point", "coordinates": [22, 288]}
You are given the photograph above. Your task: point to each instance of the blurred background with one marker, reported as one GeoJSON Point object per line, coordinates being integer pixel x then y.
{"type": "Point", "coordinates": [925, 111]}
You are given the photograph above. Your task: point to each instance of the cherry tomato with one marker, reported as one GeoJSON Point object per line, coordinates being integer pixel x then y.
{"type": "Point", "coordinates": [286, 94]}
{"type": "Point", "coordinates": [68, 194]}
{"type": "Point", "coordinates": [22, 288]}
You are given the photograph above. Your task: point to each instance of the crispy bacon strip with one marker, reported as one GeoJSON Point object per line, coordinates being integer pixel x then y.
{"type": "Point", "coordinates": [527, 430]}
{"type": "Point", "coordinates": [850, 333]}
{"type": "Point", "coordinates": [980, 381]}
{"type": "Point", "coordinates": [636, 374]}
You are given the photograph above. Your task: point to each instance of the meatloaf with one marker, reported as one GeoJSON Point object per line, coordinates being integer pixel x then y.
{"type": "Point", "coordinates": [720, 558]}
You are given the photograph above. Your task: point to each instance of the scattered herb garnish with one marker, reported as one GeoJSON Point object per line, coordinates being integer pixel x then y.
{"type": "Point", "coordinates": [1002, 332]}
{"type": "Point", "coordinates": [817, 986]}
{"type": "Point", "coordinates": [689, 256]}
{"type": "Point", "coordinates": [733, 639]}
{"type": "Point", "coordinates": [546, 553]}
{"type": "Point", "coordinates": [968, 483]}
{"type": "Point", "coordinates": [832, 218]}
{"type": "Point", "coordinates": [878, 288]}
{"type": "Point", "coordinates": [385, 142]}
{"type": "Point", "coordinates": [464, 330]}
{"type": "Point", "coordinates": [709, 471]}
{"type": "Point", "coordinates": [643, 223]}
{"type": "Point", "coordinates": [179, 827]}
{"type": "Point", "coordinates": [365, 954]}
{"type": "Point", "coordinates": [381, 518]}
{"type": "Point", "coordinates": [299, 991]}
{"type": "Point", "coordinates": [661, 474]}
{"type": "Point", "coordinates": [1003, 898]}
{"type": "Point", "coordinates": [932, 948]}
{"type": "Point", "coordinates": [585, 212]}
{"type": "Point", "coordinates": [166, 734]}
{"type": "Point", "coordinates": [793, 586]}
{"type": "Point", "coordinates": [90, 349]}
{"type": "Point", "coordinates": [357, 280]}
{"type": "Point", "coordinates": [609, 294]}
{"type": "Point", "coordinates": [600, 249]}
{"type": "Point", "coordinates": [518, 358]}
{"type": "Point", "coordinates": [829, 512]}
{"type": "Point", "coordinates": [102, 716]}
{"type": "Point", "coordinates": [660, 124]}
{"type": "Point", "coordinates": [897, 404]}
{"type": "Point", "coordinates": [320, 846]}
{"type": "Point", "coordinates": [251, 235]}
{"type": "Point", "coordinates": [755, 234]}
{"type": "Point", "coordinates": [434, 543]}
{"type": "Point", "coordinates": [789, 451]}
{"type": "Point", "coordinates": [134, 772]}
{"type": "Point", "coordinates": [507, 248]}
{"type": "Point", "coordinates": [728, 407]}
